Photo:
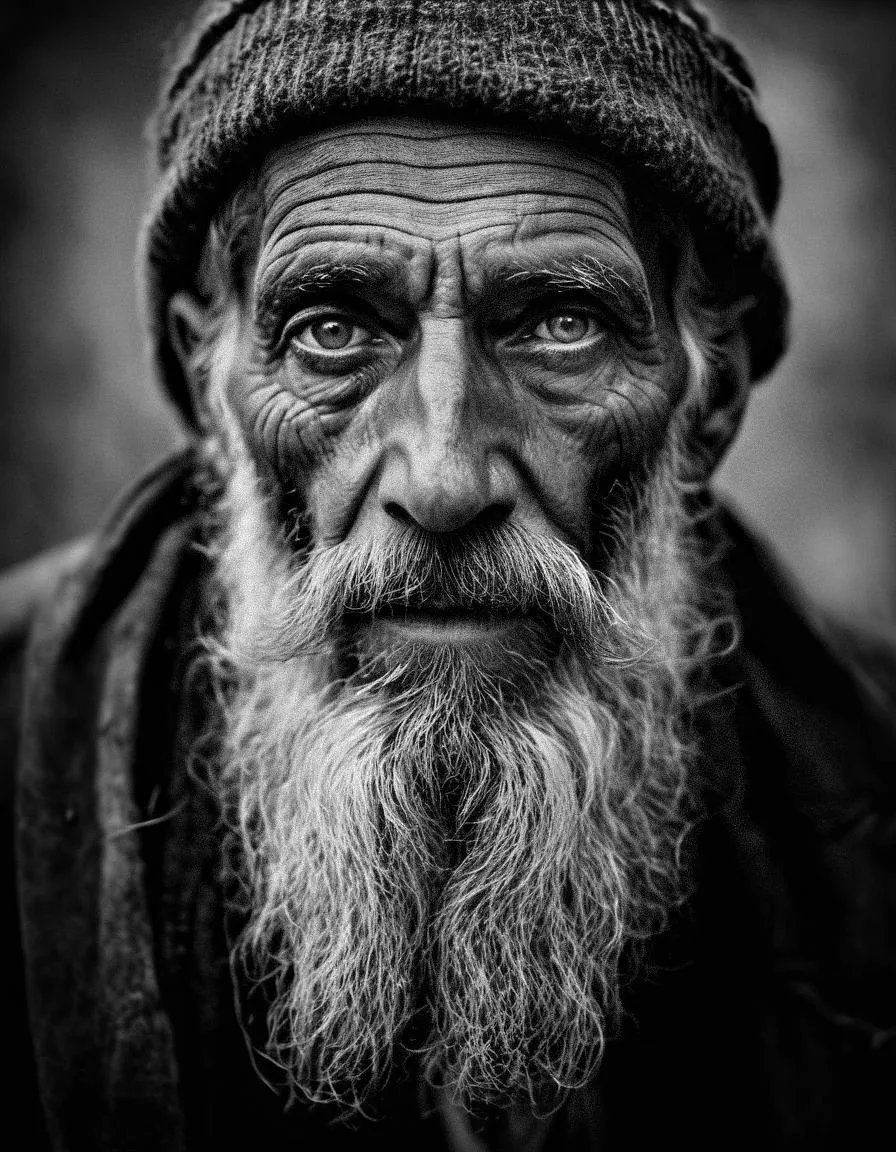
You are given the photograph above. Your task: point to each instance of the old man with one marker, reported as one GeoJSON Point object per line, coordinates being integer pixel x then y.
{"type": "Point", "coordinates": [424, 759]}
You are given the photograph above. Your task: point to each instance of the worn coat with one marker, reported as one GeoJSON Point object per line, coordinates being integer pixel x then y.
{"type": "Point", "coordinates": [766, 1015]}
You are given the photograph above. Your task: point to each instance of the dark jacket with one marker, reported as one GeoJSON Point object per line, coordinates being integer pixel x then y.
{"type": "Point", "coordinates": [765, 1015]}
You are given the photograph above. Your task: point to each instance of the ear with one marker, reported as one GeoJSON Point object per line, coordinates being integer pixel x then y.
{"type": "Point", "coordinates": [727, 399]}
{"type": "Point", "coordinates": [728, 391]}
{"type": "Point", "coordinates": [188, 324]}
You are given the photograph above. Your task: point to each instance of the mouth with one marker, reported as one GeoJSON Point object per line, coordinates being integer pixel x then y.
{"type": "Point", "coordinates": [436, 624]}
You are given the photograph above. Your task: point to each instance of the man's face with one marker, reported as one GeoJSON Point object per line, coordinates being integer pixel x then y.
{"type": "Point", "coordinates": [447, 328]}
{"type": "Point", "coordinates": [455, 756]}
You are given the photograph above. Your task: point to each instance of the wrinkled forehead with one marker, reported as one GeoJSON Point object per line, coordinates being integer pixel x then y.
{"type": "Point", "coordinates": [410, 189]}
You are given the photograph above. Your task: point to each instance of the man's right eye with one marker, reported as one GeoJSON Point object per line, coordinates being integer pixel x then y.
{"type": "Point", "coordinates": [332, 333]}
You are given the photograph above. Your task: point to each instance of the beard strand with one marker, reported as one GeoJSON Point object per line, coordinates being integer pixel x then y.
{"type": "Point", "coordinates": [441, 855]}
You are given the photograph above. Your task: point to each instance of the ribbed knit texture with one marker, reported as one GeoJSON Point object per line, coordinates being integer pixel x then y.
{"type": "Point", "coordinates": [649, 84]}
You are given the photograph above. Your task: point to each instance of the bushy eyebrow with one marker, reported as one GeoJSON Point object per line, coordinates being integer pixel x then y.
{"type": "Point", "coordinates": [282, 289]}
{"type": "Point", "coordinates": [624, 291]}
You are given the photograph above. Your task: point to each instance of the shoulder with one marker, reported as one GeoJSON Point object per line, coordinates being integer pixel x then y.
{"type": "Point", "coordinates": [59, 616]}
{"type": "Point", "coordinates": [24, 590]}
{"type": "Point", "coordinates": [827, 689]}
{"type": "Point", "coordinates": [25, 587]}
{"type": "Point", "coordinates": [811, 801]}
{"type": "Point", "coordinates": [40, 598]}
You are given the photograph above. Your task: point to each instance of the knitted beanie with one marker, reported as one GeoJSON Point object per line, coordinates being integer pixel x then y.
{"type": "Point", "coordinates": [649, 84]}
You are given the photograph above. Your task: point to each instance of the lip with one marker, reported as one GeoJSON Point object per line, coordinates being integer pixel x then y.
{"type": "Point", "coordinates": [448, 627]}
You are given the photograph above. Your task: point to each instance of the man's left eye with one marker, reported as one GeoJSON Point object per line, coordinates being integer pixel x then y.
{"type": "Point", "coordinates": [332, 334]}
{"type": "Point", "coordinates": [567, 328]}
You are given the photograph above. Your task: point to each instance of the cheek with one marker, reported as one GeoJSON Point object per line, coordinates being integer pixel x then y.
{"type": "Point", "coordinates": [288, 431]}
{"type": "Point", "coordinates": [313, 448]}
{"type": "Point", "coordinates": [599, 429]}
{"type": "Point", "coordinates": [317, 444]}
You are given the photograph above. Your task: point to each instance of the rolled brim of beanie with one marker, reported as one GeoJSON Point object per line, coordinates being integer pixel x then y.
{"type": "Point", "coordinates": [636, 83]}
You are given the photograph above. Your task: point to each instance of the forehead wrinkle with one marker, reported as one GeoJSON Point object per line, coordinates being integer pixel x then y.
{"type": "Point", "coordinates": [420, 145]}
{"type": "Point", "coordinates": [291, 185]}
{"type": "Point", "coordinates": [509, 226]}
{"type": "Point", "coordinates": [405, 245]}
{"type": "Point", "coordinates": [351, 175]}
{"type": "Point", "coordinates": [437, 227]}
{"type": "Point", "coordinates": [435, 210]}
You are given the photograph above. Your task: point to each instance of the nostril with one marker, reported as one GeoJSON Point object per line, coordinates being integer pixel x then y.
{"type": "Point", "coordinates": [398, 513]}
{"type": "Point", "coordinates": [491, 517]}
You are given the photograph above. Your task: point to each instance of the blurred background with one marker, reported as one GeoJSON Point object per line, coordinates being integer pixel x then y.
{"type": "Point", "coordinates": [815, 465]}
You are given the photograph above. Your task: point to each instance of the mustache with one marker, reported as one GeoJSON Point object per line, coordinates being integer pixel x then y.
{"type": "Point", "coordinates": [498, 570]}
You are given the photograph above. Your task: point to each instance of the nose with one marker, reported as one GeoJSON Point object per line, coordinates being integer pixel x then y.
{"type": "Point", "coordinates": [444, 469]}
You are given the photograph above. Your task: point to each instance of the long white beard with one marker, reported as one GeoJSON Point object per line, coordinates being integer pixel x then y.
{"type": "Point", "coordinates": [445, 852]}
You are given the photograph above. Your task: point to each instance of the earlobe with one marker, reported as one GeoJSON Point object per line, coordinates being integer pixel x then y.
{"type": "Point", "coordinates": [188, 335]}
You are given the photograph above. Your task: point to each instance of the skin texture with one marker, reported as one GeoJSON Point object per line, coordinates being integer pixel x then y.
{"type": "Point", "coordinates": [447, 326]}
{"type": "Point", "coordinates": [470, 794]}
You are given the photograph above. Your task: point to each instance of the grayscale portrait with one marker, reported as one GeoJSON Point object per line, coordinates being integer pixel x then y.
{"type": "Point", "coordinates": [448, 636]}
